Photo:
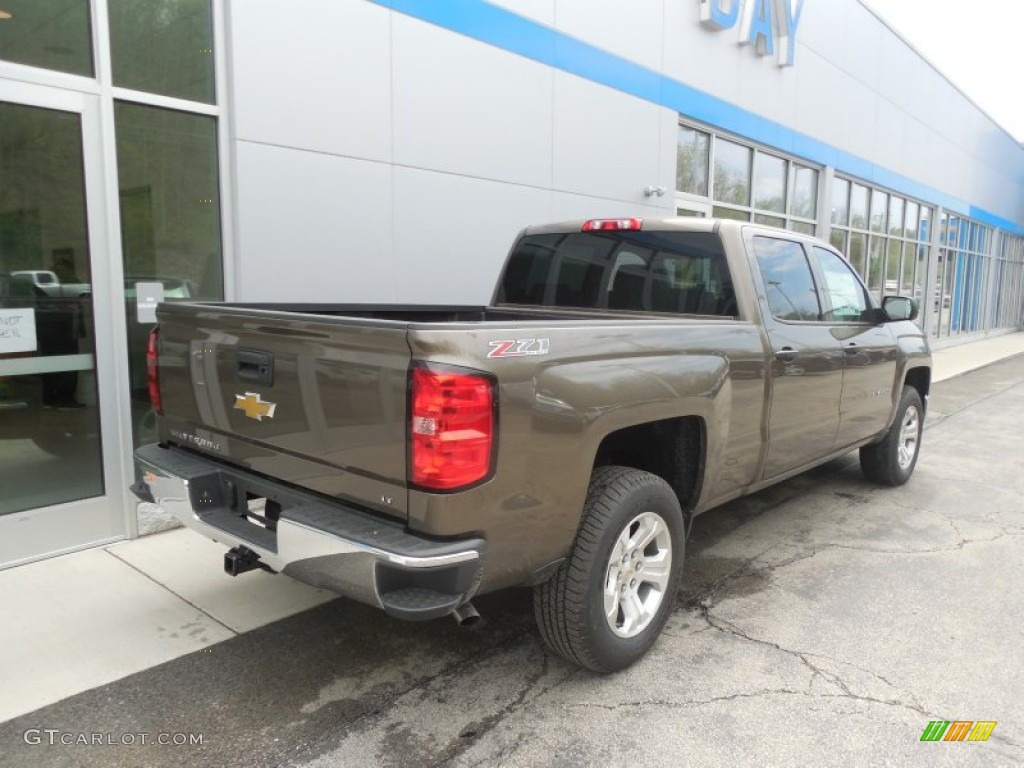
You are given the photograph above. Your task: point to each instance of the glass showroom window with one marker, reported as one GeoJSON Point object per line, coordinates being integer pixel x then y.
{"type": "Point", "coordinates": [1007, 306]}
{"type": "Point", "coordinates": [163, 47]}
{"type": "Point", "coordinates": [165, 120]}
{"type": "Point", "coordinates": [964, 269]}
{"type": "Point", "coordinates": [51, 34]}
{"type": "Point", "coordinates": [884, 236]}
{"type": "Point", "coordinates": [693, 149]}
{"type": "Point", "coordinates": [744, 182]}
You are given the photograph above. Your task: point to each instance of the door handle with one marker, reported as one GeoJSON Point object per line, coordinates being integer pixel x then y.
{"type": "Point", "coordinates": [851, 348]}
{"type": "Point", "coordinates": [255, 366]}
{"type": "Point", "coordinates": [786, 354]}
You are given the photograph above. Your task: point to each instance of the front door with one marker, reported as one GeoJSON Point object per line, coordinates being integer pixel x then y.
{"type": "Point", "coordinates": [61, 475]}
{"type": "Point", "coordinates": [870, 351]}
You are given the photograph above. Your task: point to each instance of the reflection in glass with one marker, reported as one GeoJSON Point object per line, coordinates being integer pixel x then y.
{"type": "Point", "coordinates": [859, 207]}
{"type": "Point", "coordinates": [942, 293]}
{"type": "Point", "coordinates": [732, 172]}
{"type": "Point", "coordinates": [846, 295]}
{"type": "Point", "coordinates": [163, 46]}
{"type": "Point", "coordinates": [770, 183]}
{"type": "Point", "coordinates": [892, 269]}
{"type": "Point", "coordinates": [805, 192]}
{"type": "Point", "coordinates": [910, 260]}
{"type": "Point", "coordinates": [170, 220]}
{"type": "Point", "coordinates": [840, 201]}
{"type": "Point", "coordinates": [721, 212]}
{"type": "Point", "coordinates": [789, 286]}
{"type": "Point", "coordinates": [920, 277]}
{"type": "Point", "coordinates": [802, 227]}
{"type": "Point", "coordinates": [52, 34]}
{"type": "Point", "coordinates": [896, 216]}
{"type": "Point", "coordinates": [858, 253]}
{"type": "Point", "coordinates": [876, 264]}
{"type": "Point", "coordinates": [692, 151]}
{"type": "Point", "coordinates": [49, 414]}
{"type": "Point", "coordinates": [947, 233]}
{"type": "Point", "coordinates": [910, 228]}
{"type": "Point", "coordinates": [879, 202]}
{"type": "Point", "coordinates": [770, 221]}
{"type": "Point", "coordinates": [838, 240]}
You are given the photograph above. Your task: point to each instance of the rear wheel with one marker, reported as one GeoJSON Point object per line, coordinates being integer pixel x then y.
{"type": "Point", "coordinates": [892, 460]}
{"type": "Point", "coordinates": [607, 603]}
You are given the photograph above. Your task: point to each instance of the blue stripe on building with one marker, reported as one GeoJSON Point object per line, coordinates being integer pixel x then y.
{"type": "Point", "coordinates": [514, 33]}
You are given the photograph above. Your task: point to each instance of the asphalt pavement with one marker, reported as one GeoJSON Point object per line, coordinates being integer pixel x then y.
{"type": "Point", "coordinates": [824, 621]}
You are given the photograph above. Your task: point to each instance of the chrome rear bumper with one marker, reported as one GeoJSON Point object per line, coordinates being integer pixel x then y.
{"type": "Point", "coordinates": [324, 543]}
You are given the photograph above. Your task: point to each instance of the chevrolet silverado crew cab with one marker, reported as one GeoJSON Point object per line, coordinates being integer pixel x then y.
{"type": "Point", "coordinates": [627, 376]}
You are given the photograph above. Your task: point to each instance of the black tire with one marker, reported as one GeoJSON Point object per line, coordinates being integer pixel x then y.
{"type": "Point", "coordinates": [884, 462]}
{"type": "Point", "coordinates": [570, 607]}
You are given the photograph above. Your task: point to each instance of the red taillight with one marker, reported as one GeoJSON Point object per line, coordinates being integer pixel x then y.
{"type": "Point", "coordinates": [451, 428]}
{"type": "Point", "coordinates": [608, 225]}
{"type": "Point", "coordinates": [153, 370]}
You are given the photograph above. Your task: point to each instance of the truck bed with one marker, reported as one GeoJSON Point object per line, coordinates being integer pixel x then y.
{"type": "Point", "coordinates": [316, 395]}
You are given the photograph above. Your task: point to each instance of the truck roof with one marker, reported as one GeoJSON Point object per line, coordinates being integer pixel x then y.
{"type": "Point", "coordinates": [659, 224]}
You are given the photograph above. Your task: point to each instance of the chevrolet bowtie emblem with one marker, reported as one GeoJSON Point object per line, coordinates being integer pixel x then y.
{"type": "Point", "coordinates": [254, 406]}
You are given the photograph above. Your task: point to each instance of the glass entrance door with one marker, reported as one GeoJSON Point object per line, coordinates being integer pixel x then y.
{"type": "Point", "coordinates": [59, 472]}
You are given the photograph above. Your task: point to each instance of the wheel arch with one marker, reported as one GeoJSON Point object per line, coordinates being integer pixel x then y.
{"type": "Point", "coordinates": [920, 378]}
{"type": "Point", "coordinates": [674, 449]}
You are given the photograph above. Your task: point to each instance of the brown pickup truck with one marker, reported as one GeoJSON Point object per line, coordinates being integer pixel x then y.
{"type": "Point", "coordinates": [627, 376]}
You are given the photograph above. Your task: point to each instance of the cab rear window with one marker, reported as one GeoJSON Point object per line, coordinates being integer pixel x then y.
{"type": "Point", "coordinates": [635, 271]}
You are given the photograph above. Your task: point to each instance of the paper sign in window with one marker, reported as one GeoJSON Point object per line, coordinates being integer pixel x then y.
{"type": "Point", "coordinates": [147, 296]}
{"type": "Point", "coordinates": [17, 331]}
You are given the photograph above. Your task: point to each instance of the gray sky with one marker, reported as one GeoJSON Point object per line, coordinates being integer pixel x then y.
{"type": "Point", "coordinates": [976, 44]}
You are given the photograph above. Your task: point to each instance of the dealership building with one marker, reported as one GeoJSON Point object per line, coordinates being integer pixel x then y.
{"type": "Point", "coordinates": [390, 150]}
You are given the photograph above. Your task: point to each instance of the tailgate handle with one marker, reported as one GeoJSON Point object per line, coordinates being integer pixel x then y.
{"type": "Point", "coordinates": [256, 367]}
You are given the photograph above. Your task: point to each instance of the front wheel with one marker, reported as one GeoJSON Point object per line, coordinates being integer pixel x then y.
{"type": "Point", "coordinates": [607, 603]}
{"type": "Point", "coordinates": [892, 461]}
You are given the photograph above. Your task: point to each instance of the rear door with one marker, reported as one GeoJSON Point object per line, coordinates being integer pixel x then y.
{"type": "Point", "coordinates": [870, 351]}
{"type": "Point", "coordinates": [313, 401]}
{"type": "Point", "coordinates": [806, 369]}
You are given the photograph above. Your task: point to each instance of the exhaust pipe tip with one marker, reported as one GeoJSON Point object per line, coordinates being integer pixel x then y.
{"type": "Point", "coordinates": [466, 615]}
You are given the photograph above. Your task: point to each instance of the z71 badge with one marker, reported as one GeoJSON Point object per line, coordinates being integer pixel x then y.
{"type": "Point", "coordinates": [519, 347]}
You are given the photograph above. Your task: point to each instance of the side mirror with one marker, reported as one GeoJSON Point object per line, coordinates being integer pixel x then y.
{"type": "Point", "coordinates": [900, 307]}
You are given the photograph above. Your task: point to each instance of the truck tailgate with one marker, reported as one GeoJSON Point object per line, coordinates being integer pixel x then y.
{"type": "Point", "coordinates": [313, 401]}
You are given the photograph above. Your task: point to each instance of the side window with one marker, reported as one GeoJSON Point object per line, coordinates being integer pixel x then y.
{"type": "Point", "coordinates": [788, 281]}
{"type": "Point", "coordinates": [845, 292]}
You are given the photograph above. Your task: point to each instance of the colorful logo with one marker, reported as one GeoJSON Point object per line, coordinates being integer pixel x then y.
{"type": "Point", "coordinates": [958, 730]}
{"type": "Point", "coordinates": [254, 406]}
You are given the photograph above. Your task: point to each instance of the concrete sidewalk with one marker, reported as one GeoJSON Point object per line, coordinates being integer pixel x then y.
{"type": "Point", "coordinates": [82, 620]}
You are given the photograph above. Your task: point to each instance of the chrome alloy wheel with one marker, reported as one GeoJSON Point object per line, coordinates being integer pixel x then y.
{"type": "Point", "coordinates": [637, 576]}
{"type": "Point", "coordinates": [910, 431]}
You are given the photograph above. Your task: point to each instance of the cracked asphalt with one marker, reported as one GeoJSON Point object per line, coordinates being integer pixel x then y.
{"type": "Point", "coordinates": [822, 622]}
